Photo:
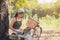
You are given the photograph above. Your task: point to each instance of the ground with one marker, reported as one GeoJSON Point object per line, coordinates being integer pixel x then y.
{"type": "Point", "coordinates": [49, 34]}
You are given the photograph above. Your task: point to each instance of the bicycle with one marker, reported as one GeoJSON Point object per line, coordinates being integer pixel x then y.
{"type": "Point", "coordinates": [37, 30]}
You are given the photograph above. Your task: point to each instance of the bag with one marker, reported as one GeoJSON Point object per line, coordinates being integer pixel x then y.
{"type": "Point", "coordinates": [32, 23]}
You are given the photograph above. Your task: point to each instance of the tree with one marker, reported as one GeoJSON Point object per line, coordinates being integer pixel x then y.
{"type": "Point", "coordinates": [4, 15]}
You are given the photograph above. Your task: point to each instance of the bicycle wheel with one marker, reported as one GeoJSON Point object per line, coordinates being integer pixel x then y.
{"type": "Point", "coordinates": [37, 32]}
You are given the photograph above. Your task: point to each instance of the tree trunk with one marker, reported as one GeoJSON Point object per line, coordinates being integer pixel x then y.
{"type": "Point", "coordinates": [4, 15]}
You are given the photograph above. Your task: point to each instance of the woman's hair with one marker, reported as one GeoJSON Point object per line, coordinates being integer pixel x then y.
{"type": "Point", "coordinates": [16, 15]}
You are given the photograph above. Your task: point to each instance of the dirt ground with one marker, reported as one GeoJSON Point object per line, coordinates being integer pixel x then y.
{"type": "Point", "coordinates": [50, 35]}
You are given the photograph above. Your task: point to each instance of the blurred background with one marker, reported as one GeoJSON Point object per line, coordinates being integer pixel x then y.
{"type": "Point", "coordinates": [46, 12]}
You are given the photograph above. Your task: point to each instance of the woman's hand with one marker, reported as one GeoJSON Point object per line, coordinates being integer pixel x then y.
{"type": "Point", "coordinates": [20, 31]}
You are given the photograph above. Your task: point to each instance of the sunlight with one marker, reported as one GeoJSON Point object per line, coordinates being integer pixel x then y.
{"type": "Point", "coordinates": [46, 1]}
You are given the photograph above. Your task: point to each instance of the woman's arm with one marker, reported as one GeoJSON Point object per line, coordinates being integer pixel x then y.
{"type": "Point", "coordinates": [11, 24]}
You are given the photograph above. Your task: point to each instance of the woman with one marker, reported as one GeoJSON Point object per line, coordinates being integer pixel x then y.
{"type": "Point", "coordinates": [16, 23]}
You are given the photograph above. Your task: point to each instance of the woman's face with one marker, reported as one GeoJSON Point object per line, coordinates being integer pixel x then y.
{"type": "Point", "coordinates": [21, 15]}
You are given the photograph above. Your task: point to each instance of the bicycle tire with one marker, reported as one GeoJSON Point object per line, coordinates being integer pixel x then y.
{"type": "Point", "coordinates": [38, 31]}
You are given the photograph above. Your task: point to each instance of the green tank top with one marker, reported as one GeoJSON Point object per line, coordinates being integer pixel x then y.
{"type": "Point", "coordinates": [17, 24]}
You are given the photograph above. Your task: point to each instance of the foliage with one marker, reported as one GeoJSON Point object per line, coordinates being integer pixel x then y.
{"type": "Point", "coordinates": [49, 22]}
